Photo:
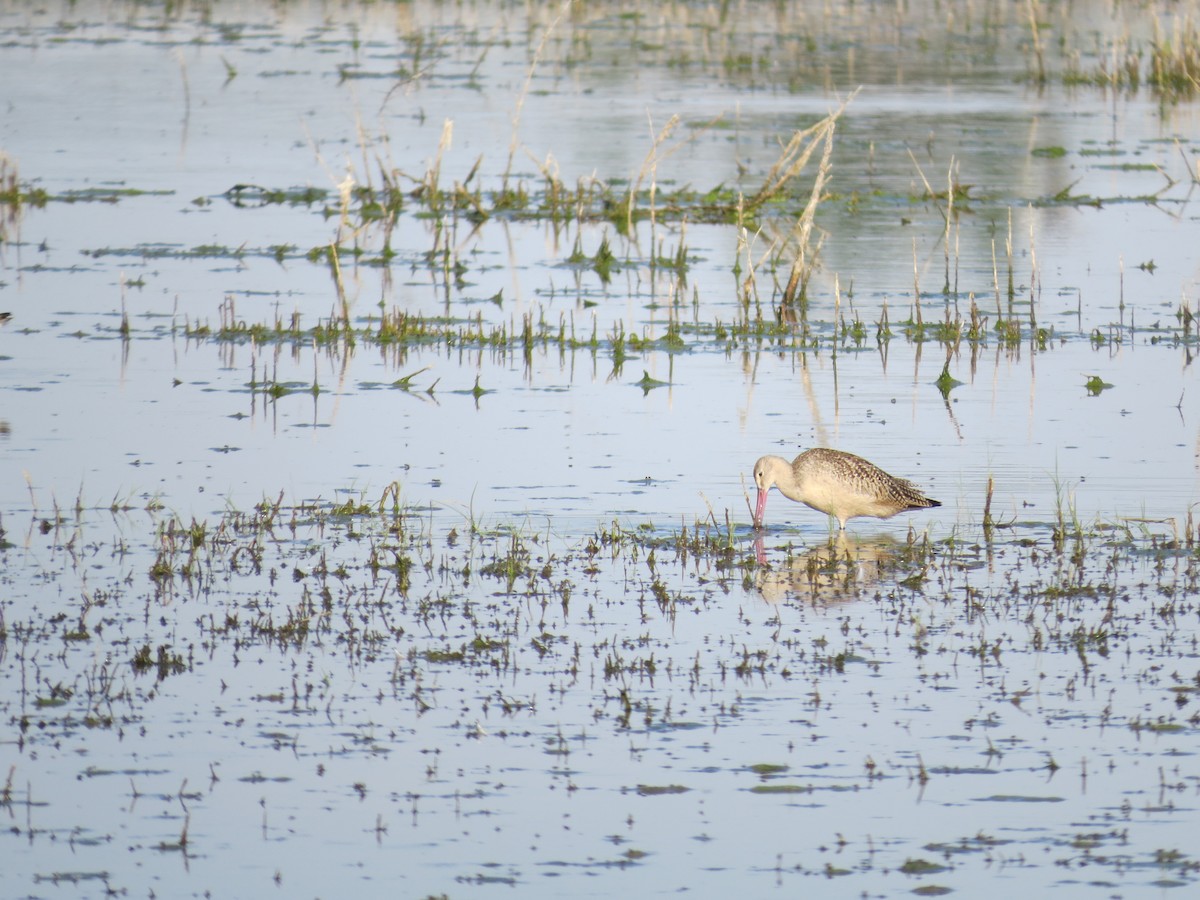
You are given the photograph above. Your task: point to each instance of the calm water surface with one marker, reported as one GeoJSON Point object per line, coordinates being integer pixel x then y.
{"type": "Point", "coordinates": [525, 681]}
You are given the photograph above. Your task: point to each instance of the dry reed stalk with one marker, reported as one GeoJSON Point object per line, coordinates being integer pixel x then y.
{"type": "Point", "coordinates": [434, 175]}
{"type": "Point", "coordinates": [928, 187]}
{"type": "Point", "coordinates": [795, 156]}
{"type": "Point", "coordinates": [1121, 283]}
{"type": "Point", "coordinates": [650, 164]}
{"type": "Point", "coordinates": [1035, 277]}
{"type": "Point", "coordinates": [1008, 249]}
{"type": "Point", "coordinates": [750, 284]}
{"type": "Point", "coordinates": [837, 309]}
{"type": "Point", "coordinates": [949, 202]}
{"type": "Point", "coordinates": [949, 228]}
{"type": "Point", "coordinates": [792, 160]}
{"type": "Point", "coordinates": [365, 144]}
{"type": "Point", "coordinates": [654, 157]}
{"type": "Point", "coordinates": [996, 283]}
{"type": "Point", "coordinates": [335, 266]}
{"type": "Point", "coordinates": [916, 317]}
{"type": "Point", "coordinates": [988, 523]}
{"type": "Point", "coordinates": [516, 117]}
{"type": "Point", "coordinates": [1192, 166]}
{"type": "Point", "coordinates": [1033, 8]}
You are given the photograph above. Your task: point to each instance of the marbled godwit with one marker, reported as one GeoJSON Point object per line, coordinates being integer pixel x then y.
{"type": "Point", "coordinates": [839, 484]}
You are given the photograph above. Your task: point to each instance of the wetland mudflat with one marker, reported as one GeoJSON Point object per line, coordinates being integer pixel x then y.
{"type": "Point", "coordinates": [378, 406]}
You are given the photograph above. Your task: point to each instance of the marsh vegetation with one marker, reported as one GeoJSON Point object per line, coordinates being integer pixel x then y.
{"type": "Point", "coordinates": [380, 387]}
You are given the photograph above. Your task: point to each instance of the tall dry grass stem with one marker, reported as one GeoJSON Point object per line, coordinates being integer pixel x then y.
{"type": "Point", "coordinates": [514, 141]}
{"type": "Point", "coordinates": [654, 156]}
{"type": "Point", "coordinates": [650, 166]}
{"type": "Point", "coordinates": [1033, 8]}
{"type": "Point", "coordinates": [794, 158]}
{"type": "Point", "coordinates": [916, 316]}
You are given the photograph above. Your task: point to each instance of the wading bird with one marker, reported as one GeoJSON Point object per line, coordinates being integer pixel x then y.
{"type": "Point", "coordinates": [836, 483]}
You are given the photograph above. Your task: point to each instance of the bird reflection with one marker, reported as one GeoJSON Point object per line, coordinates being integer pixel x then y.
{"type": "Point", "coordinates": [837, 571]}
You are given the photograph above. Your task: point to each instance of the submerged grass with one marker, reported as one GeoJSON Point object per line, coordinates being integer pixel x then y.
{"type": "Point", "coordinates": [514, 636]}
{"type": "Point", "coordinates": [425, 571]}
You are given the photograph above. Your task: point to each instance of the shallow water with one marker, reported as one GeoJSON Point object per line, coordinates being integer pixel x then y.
{"type": "Point", "coordinates": [326, 717]}
{"type": "Point", "coordinates": [1014, 705]}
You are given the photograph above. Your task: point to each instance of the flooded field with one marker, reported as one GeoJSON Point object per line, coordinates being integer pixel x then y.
{"type": "Point", "coordinates": [379, 388]}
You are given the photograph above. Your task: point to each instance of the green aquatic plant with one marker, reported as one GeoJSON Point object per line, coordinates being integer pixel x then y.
{"type": "Point", "coordinates": [1052, 152]}
{"type": "Point", "coordinates": [946, 382]}
{"type": "Point", "coordinates": [647, 384]}
{"type": "Point", "coordinates": [604, 262]}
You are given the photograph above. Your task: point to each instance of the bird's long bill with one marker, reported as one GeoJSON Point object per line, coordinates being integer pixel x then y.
{"type": "Point", "coordinates": [759, 508]}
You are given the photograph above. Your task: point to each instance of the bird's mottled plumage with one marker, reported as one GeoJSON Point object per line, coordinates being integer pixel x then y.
{"type": "Point", "coordinates": [836, 483]}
